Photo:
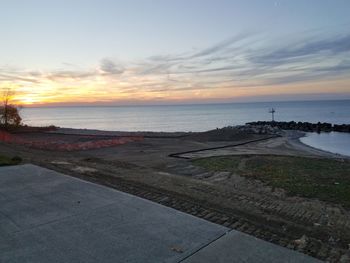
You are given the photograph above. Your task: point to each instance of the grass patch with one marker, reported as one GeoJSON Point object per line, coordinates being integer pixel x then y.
{"type": "Point", "coordinates": [325, 179]}
{"type": "Point", "coordinates": [4, 160]}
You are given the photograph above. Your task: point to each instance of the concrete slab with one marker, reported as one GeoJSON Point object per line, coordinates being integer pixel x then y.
{"type": "Point", "coordinates": [237, 247]}
{"type": "Point", "coordinates": [49, 217]}
{"type": "Point", "coordinates": [46, 216]}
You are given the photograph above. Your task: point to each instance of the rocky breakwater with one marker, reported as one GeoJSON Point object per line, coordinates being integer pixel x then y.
{"type": "Point", "coordinates": [259, 129]}
{"type": "Point", "coordinates": [303, 126]}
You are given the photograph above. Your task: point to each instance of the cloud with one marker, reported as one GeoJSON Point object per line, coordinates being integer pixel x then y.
{"type": "Point", "coordinates": [243, 61]}
{"type": "Point", "coordinates": [107, 66]}
{"type": "Point", "coordinates": [69, 74]}
{"type": "Point", "coordinates": [331, 46]}
{"type": "Point", "coordinates": [238, 64]}
{"type": "Point", "coordinates": [17, 77]}
{"type": "Point", "coordinates": [221, 46]}
{"type": "Point", "coordinates": [17, 74]}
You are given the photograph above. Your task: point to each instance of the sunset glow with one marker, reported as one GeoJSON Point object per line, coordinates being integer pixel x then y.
{"type": "Point", "coordinates": [142, 67]}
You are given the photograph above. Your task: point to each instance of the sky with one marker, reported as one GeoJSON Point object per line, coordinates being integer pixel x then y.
{"type": "Point", "coordinates": [102, 52]}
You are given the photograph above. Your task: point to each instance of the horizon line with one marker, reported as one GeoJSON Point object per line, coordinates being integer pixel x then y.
{"type": "Point", "coordinates": [178, 104]}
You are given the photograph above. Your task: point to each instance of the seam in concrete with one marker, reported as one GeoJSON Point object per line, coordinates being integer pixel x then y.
{"type": "Point", "coordinates": [10, 219]}
{"type": "Point", "coordinates": [206, 245]}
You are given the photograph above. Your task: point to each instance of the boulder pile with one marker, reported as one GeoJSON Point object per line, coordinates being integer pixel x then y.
{"type": "Point", "coordinates": [259, 129]}
{"type": "Point", "coordinates": [303, 126]}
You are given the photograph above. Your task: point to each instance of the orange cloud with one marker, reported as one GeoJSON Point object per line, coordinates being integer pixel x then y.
{"type": "Point", "coordinates": [227, 70]}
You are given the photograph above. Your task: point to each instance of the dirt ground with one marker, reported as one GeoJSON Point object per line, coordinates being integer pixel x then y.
{"type": "Point", "coordinates": [159, 168]}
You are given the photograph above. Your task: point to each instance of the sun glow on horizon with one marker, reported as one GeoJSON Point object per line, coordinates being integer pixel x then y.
{"type": "Point", "coordinates": [126, 52]}
{"type": "Point", "coordinates": [225, 71]}
{"type": "Point", "coordinates": [110, 92]}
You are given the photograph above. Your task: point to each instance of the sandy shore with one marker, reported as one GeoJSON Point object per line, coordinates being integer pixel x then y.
{"type": "Point", "coordinates": [288, 144]}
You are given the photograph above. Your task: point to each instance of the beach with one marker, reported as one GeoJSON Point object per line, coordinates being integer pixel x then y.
{"type": "Point", "coordinates": [179, 170]}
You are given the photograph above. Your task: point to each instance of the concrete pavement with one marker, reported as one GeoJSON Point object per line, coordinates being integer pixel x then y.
{"type": "Point", "coordinates": [46, 216]}
{"type": "Point", "coordinates": [239, 247]}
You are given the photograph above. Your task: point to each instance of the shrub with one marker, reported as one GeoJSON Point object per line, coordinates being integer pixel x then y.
{"type": "Point", "coordinates": [9, 116]}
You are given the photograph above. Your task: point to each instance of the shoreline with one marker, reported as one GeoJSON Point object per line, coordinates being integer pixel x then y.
{"type": "Point", "coordinates": [293, 137]}
{"type": "Point", "coordinates": [96, 132]}
{"type": "Point", "coordinates": [340, 155]}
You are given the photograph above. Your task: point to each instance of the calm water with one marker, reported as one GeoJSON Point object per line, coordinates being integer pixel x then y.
{"type": "Point", "coordinates": [185, 117]}
{"type": "Point", "coordinates": [335, 142]}
{"type": "Point", "coordinates": [199, 118]}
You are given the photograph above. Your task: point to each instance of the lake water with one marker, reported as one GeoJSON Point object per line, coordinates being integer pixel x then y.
{"type": "Point", "coordinates": [185, 117]}
{"type": "Point", "coordinates": [335, 142]}
{"type": "Point", "coordinates": [199, 118]}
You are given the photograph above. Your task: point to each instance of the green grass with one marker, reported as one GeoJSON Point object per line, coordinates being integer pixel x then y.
{"type": "Point", "coordinates": [325, 179]}
{"type": "Point", "coordinates": [4, 160]}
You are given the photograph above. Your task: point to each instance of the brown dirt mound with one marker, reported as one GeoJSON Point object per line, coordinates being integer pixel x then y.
{"type": "Point", "coordinates": [56, 142]}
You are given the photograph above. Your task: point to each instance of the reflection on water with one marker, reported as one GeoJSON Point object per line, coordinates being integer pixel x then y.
{"type": "Point", "coordinates": [335, 142]}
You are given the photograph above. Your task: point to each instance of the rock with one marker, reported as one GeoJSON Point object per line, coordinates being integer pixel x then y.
{"type": "Point", "coordinates": [259, 129]}
{"type": "Point", "coordinates": [177, 249]}
{"type": "Point", "coordinates": [345, 258]}
{"type": "Point", "coordinates": [301, 242]}
{"type": "Point", "coordinates": [331, 240]}
{"type": "Point", "coordinates": [82, 169]}
{"type": "Point", "coordinates": [303, 126]}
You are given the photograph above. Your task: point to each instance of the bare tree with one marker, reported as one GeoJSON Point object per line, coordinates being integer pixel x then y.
{"type": "Point", "coordinates": [9, 115]}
